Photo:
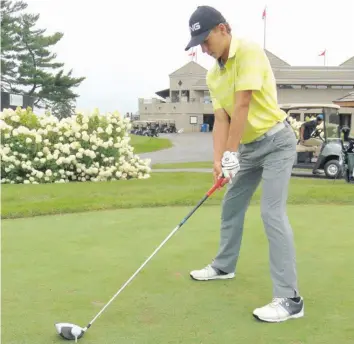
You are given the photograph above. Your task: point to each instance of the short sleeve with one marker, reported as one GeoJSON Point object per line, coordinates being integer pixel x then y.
{"type": "Point", "coordinates": [215, 101]}
{"type": "Point", "coordinates": [251, 68]}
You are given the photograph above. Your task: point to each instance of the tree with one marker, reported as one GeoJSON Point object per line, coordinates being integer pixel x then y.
{"type": "Point", "coordinates": [63, 109]}
{"type": "Point", "coordinates": [10, 45]}
{"type": "Point", "coordinates": [36, 63]}
{"type": "Point", "coordinates": [36, 72]}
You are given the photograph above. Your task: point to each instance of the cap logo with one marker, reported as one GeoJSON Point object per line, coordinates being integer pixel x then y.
{"type": "Point", "coordinates": [195, 27]}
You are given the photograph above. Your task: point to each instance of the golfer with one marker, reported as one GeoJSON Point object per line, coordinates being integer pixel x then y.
{"type": "Point", "coordinates": [252, 142]}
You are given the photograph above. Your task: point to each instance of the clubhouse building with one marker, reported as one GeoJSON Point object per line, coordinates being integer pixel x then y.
{"type": "Point", "coordinates": [187, 101]}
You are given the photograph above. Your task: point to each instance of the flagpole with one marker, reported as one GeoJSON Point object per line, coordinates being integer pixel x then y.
{"type": "Point", "coordinates": [265, 28]}
{"type": "Point", "coordinates": [264, 17]}
{"type": "Point", "coordinates": [324, 54]}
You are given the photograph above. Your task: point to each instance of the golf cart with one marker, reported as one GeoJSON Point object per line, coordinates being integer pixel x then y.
{"type": "Point", "coordinates": [145, 128]}
{"type": "Point", "coordinates": [324, 149]}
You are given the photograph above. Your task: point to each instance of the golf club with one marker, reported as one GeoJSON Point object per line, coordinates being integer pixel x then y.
{"type": "Point", "coordinates": [71, 331]}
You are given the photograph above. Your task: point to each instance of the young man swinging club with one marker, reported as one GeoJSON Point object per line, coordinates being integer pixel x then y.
{"type": "Point", "coordinates": [252, 142]}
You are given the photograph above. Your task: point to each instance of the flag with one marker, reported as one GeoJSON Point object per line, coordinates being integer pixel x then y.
{"type": "Point", "coordinates": [264, 15]}
{"type": "Point", "coordinates": [324, 56]}
{"type": "Point", "coordinates": [193, 55]}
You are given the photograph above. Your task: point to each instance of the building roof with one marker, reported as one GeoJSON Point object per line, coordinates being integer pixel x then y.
{"type": "Point", "coordinates": [307, 106]}
{"type": "Point", "coordinates": [163, 93]}
{"type": "Point", "coordinates": [284, 73]}
{"type": "Point", "coordinates": [348, 63]}
{"type": "Point", "coordinates": [347, 98]}
{"type": "Point", "coordinates": [336, 75]}
{"type": "Point", "coordinates": [275, 61]}
{"type": "Point", "coordinates": [305, 75]}
{"type": "Point", "coordinates": [314, 75]}
{"type": "Point", "coordinates": [191, 68]}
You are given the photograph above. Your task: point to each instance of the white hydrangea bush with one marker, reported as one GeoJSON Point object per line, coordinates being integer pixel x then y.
{"type": "Point", "coordinates": [93, 147]}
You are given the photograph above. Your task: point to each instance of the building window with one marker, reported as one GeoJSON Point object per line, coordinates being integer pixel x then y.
{"type": "Point", "coordinates": [319, 87]}
{"type": "Point", "coordinates": [342, 87]}
{"type": "Point", "coordinates": [185, 95]}
{"type": "Point", "coordinates": [298, 87]}
{"type": "Point", "coordinates": [175, 96]}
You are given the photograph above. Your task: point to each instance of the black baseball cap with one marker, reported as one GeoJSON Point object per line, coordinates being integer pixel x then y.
{"type": "Point", "coordinates": [201, 22]}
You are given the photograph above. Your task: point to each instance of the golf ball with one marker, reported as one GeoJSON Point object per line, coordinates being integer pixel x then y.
{"type": "Point", "coordinates": [76, 331]}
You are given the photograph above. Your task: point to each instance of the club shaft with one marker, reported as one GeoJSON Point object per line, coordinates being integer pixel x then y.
{"type": "Point", "coordinates": [148, 259]}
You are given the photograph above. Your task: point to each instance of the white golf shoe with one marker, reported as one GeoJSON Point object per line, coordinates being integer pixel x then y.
{"type": "Point", "coordinates": [280, 309]}
{"type": "Point", "coordinates": [209, 273]}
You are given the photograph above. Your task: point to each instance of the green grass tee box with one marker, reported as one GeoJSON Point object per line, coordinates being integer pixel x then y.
{"type": "Point", "coordinates": [64, 268]}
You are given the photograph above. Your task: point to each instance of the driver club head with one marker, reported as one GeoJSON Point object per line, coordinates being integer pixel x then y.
{"type": "Point", "coordinates": [69, 331]}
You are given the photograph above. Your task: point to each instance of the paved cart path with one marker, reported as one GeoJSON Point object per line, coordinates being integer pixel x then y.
{"type": "Point", "coordinates": [193, 147]}
{"type": "Point", "coordinates": [187, 147]}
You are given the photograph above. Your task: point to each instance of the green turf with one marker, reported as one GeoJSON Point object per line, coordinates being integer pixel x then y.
{"type": "Point", "coordinates": [162, 189]}
{"type": "Point", "coordinates": [196, 164]}
{"type": "Point", "coordinates": [64, 268]}
{"type": "Point", "coordinates": [144, 144]}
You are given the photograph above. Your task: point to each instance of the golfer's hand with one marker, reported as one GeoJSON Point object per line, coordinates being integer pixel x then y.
{"type": "Point", "coordinates": [217, 172]}
{"type": "Point", "coordinates": [230, 165]}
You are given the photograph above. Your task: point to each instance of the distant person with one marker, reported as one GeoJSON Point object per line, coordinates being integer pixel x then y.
{"type": "Point", "coordinates": [252, 141]}
{"type": "Point", "coordinates": [346, 131]}
{"type": "Point", "coordinates": [307, 129]}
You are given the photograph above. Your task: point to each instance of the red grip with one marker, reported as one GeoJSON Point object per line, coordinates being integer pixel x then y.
{"type": "Point", "coordinates": [220, 182]}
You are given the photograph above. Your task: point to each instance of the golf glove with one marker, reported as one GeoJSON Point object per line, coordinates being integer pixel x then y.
{"type": "Point", "coordinates": [230, 165]}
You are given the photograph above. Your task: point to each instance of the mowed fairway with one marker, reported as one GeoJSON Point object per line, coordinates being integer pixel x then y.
{"type": "Point", "coordinates": [63, 268]}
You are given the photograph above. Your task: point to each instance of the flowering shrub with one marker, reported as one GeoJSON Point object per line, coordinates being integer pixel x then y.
{"type": "Point", "coordinates": [85, 147]}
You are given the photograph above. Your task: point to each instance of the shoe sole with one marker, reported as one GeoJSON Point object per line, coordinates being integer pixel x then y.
{"type": "Point", "coordinates": [294, 316]}
{"type": "Point", "coordinates": [218, 277]}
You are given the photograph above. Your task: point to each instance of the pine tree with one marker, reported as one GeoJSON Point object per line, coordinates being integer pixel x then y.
{"type": "Point", "coordinates": [36, 72]}
{"type": "Point", "coordinates": [37, 66]}
{"type": "Point", "coordinates": [10, 45]}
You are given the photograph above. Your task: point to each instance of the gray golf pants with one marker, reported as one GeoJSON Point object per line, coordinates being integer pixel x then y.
{"type": "Point", "coordinates": [269, 160]}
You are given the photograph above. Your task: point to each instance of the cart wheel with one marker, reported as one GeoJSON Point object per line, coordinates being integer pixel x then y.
{"type": "Point", "coordinates": [332, 169]}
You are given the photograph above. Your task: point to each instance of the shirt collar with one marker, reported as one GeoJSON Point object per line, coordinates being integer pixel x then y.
{"type": "Point", "coordinates": [232, 52]}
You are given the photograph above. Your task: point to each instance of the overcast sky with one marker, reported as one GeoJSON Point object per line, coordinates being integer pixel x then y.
{"type": "Point", "coordinates": [127, 49]}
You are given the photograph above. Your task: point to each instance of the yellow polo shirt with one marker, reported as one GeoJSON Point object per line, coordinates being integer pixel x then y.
{"type": "Point", "coordinates": [247, 68]}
